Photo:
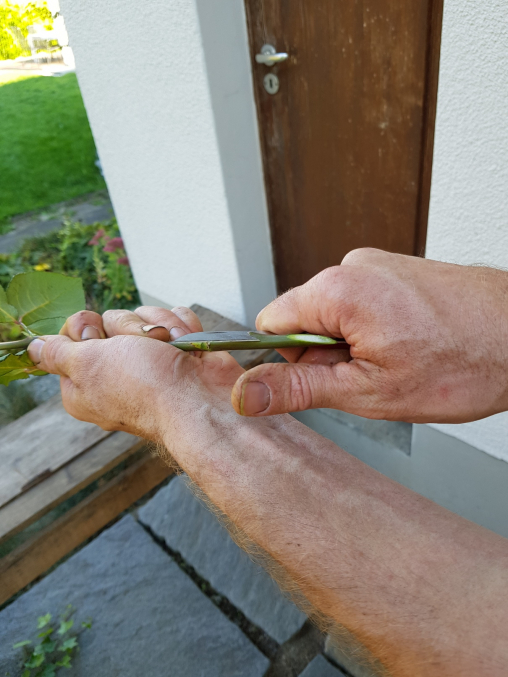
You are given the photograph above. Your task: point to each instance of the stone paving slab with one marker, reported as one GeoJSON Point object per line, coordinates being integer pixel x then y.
{"type": "Point", "coordinates": [189, 528]}
{"type": "Point", "coordinates": [320, 667]}
{"type": "Point", "coordinates": [149, 618]}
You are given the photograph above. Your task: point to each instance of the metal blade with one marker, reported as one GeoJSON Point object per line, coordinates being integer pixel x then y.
{"type": "Point", "coordinates": [225, 336]}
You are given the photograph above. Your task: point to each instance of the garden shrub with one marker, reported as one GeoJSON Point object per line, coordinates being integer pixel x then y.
{"type": "Point", "coordinates": [95, 253]}
{"type": "Point", "coordinates": [13, 16]}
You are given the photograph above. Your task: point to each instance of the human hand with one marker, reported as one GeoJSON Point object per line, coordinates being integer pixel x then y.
{"type": "Point", "coordinates": [127, 381]}
{"type": "Point", "coordinates": [429, 342]}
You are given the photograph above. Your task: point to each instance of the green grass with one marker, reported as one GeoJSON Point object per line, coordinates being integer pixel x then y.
{"type": "Point", "coordinates": [47, 152]}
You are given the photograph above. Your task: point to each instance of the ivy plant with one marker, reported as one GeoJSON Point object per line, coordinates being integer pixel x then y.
{"type": "Point", "coordinates": [33, 304]}
{"type": "Point", "coordinates": [54, 646]}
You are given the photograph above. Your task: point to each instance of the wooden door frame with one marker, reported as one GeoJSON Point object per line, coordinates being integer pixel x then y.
{"type": "Point", "coordinates": [435, 25]}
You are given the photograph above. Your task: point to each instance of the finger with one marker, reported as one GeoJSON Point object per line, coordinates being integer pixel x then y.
{"type": "Point", "coordinates": [179, 321]}
{"type": "Point", "coordinates": [83, 326]}
{"type": "Point", "coordinates": [328, 356]}
{"type": "Point", "coordinates": [125, 322]}
{"type": "Point", "coordinates": [189, 317]}
{"type": "Point", "coordinates": [53, 354]}
{"type": "Point", "coordinates": [313, 307]}
{"type": "Point", "coordinates": [325, 356]}
{"type": "Point", "coordinates": [281, 388]}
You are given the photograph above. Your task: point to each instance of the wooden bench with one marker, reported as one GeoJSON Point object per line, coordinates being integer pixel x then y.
{"type": "Point", "coordinates": [62, 480]}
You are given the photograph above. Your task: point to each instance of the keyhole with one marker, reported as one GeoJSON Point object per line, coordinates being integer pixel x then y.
{"type": "Point", "coordinates": [271, 83]}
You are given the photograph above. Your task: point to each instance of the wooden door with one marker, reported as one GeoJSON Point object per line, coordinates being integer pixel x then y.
{"type": "Point", "coordinates": [347, 140]}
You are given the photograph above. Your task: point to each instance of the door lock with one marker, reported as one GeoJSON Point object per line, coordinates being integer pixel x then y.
{"type": "Point", "coordinates": [269, 57]}
{"type": "Point", "coordinates": [271, 83]}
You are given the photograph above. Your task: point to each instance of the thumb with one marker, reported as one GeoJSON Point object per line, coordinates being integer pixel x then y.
{"type": "Point", "coordinates": [280, 388]}
{"type": "Point", "coordinates": [52, 354]}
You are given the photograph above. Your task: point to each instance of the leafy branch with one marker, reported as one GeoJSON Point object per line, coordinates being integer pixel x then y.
{"type": "Point", "coordinates": [53, 648]}
{"type": "Point", "coordinates": [33, 304]}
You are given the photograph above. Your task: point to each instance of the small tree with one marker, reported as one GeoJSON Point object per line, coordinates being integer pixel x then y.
{"type": "Point", "coordinates": [14, 23]}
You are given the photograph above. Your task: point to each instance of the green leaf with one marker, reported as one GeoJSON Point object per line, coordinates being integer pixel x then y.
{"type": "Point", "coordinates": [87, 624]}
{"type": "Point", "coordinates": [49, 671]}
{"type": "Point", "coordinates": [68, 644]}
{"type": "Point", "coordinates": [45, 633]}
{"type": "Point", "coordinates": [65, 626]}
{"type": "Point", "coordinates": [42, 621]}
{"type": "Point", "coordinates": [23, 643]}
{"type": "Point", "coordinates": [45, 296]}
{"type": "Point", "coordinates": [48, 645]}
{"type": "Point", "coordinates": [15, 367]}
{"type": "Point", "coordinates": [65, 662]}
{"type": "Point", "coordinates": [26, 673]}
{"type": "Point", "coordinates": [8, 313]}
{"type": "Point", "coordinates": [52, 325]}
{"type": "Point", "coordinates": [35, 660]}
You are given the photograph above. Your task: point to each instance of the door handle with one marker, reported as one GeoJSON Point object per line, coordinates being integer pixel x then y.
{"type": "Point", "coordinates": [269, 56]}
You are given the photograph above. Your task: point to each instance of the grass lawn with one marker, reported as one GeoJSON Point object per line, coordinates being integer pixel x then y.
{"type": "Point", "coordinates": [47, 151]}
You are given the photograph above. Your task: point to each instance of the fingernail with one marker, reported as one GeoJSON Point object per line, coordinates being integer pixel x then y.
{"type": "Point", "coordinates": [255, 398]}
{"type": "Point", "coordinates": [176, 333]}
{"type": "Point", "coordinates": [148, 328]}
{"type": "Point", "coordinates": [90, 332]}
{"type": "Point", "coordinates": [35, 349]}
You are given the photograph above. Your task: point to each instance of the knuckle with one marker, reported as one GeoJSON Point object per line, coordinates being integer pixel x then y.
{"type": "Point", "coordinates": [112, 315]}
{"type": "Point", "coordinates": [50, 352]}
{"type": "Point", "coordinates": [329, 278]}
{"type": "Point", "coordinates": [359, 256]}
{"type": "Point", "coordinates": [300, 388]}
{"type": "Point", "coordinates": [181, 309]}
{"type": "Point", "coordinates": [81, 316]}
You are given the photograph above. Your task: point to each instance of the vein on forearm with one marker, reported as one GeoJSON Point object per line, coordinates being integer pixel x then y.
{"type": "Point", "coordinates": [367, 554]}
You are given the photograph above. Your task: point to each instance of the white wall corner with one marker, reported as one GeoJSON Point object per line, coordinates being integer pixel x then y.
{"type": "Point", "coordinates": [468, 218]}
{"type": "Point", "coordinates": [225, 42]}
{"type": "Point", "coordinates": [180, 155]}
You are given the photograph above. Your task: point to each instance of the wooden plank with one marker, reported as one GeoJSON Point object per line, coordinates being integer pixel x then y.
{"type": "Point", "coordinates": [37, 555]}
{"type": "Point", "coordinates": [44, 442]}
{"type": "Point", "coordinates": [39, 443]}
{"type": "Point", "coordinates": [84, 464]}
{"type": "Point", "coordinates": [36, 502]}
{"type": "Point", "coordinates": [209, 318]}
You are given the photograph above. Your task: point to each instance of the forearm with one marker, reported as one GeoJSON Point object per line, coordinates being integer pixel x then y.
{"type": "Point", "coordinates": [395, 569]}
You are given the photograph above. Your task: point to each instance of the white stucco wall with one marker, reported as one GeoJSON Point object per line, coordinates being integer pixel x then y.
{"type": "Point", "coordinates": [193, 232]}
{"type": "Point", "coordinates": [468, 221]}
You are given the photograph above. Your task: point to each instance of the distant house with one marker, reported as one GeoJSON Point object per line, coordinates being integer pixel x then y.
{"type": "Point", "coordinates": [232, 178]}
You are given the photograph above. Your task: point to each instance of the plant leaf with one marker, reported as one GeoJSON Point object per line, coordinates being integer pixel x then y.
{"type": "Point", "coordinates": [26, 673]}
{"type": "Point", "coordinates": [23, 643]}
{"type": "Point", "coordinates": [51, 325]}
{"type": "Point", "coordinates": [48, 645]}
{"type": "Point", "coordinates": [15, 367]}
{"type": "Point", "coordinates": [68, 644]}
{"type": "Point", "coordinates": [49, 671]}
{"type": "Point", "coordinates": [45, 633]}
{"type": "Point", "coordinates": [65, 626]}
{"type": "Point", "coordinates": [35, 660]}
{"type": "Point", "coordinates": [8, 313]}
{"type": "Point", "coordinates": [65, 662]}
{"type": "Point", "coordinates": [43, 296]}
{"type": "Point", "coordinates": [87, 624]}
{"type": "Point", "coordinates": [42, 621]}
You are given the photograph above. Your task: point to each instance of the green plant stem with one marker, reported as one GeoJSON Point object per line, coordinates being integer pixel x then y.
{"type": "Point", "coordinates": [21, 343]}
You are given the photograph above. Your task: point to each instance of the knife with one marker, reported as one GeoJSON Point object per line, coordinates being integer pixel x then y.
{"type": "Point", "coordinates": [249, 340]}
